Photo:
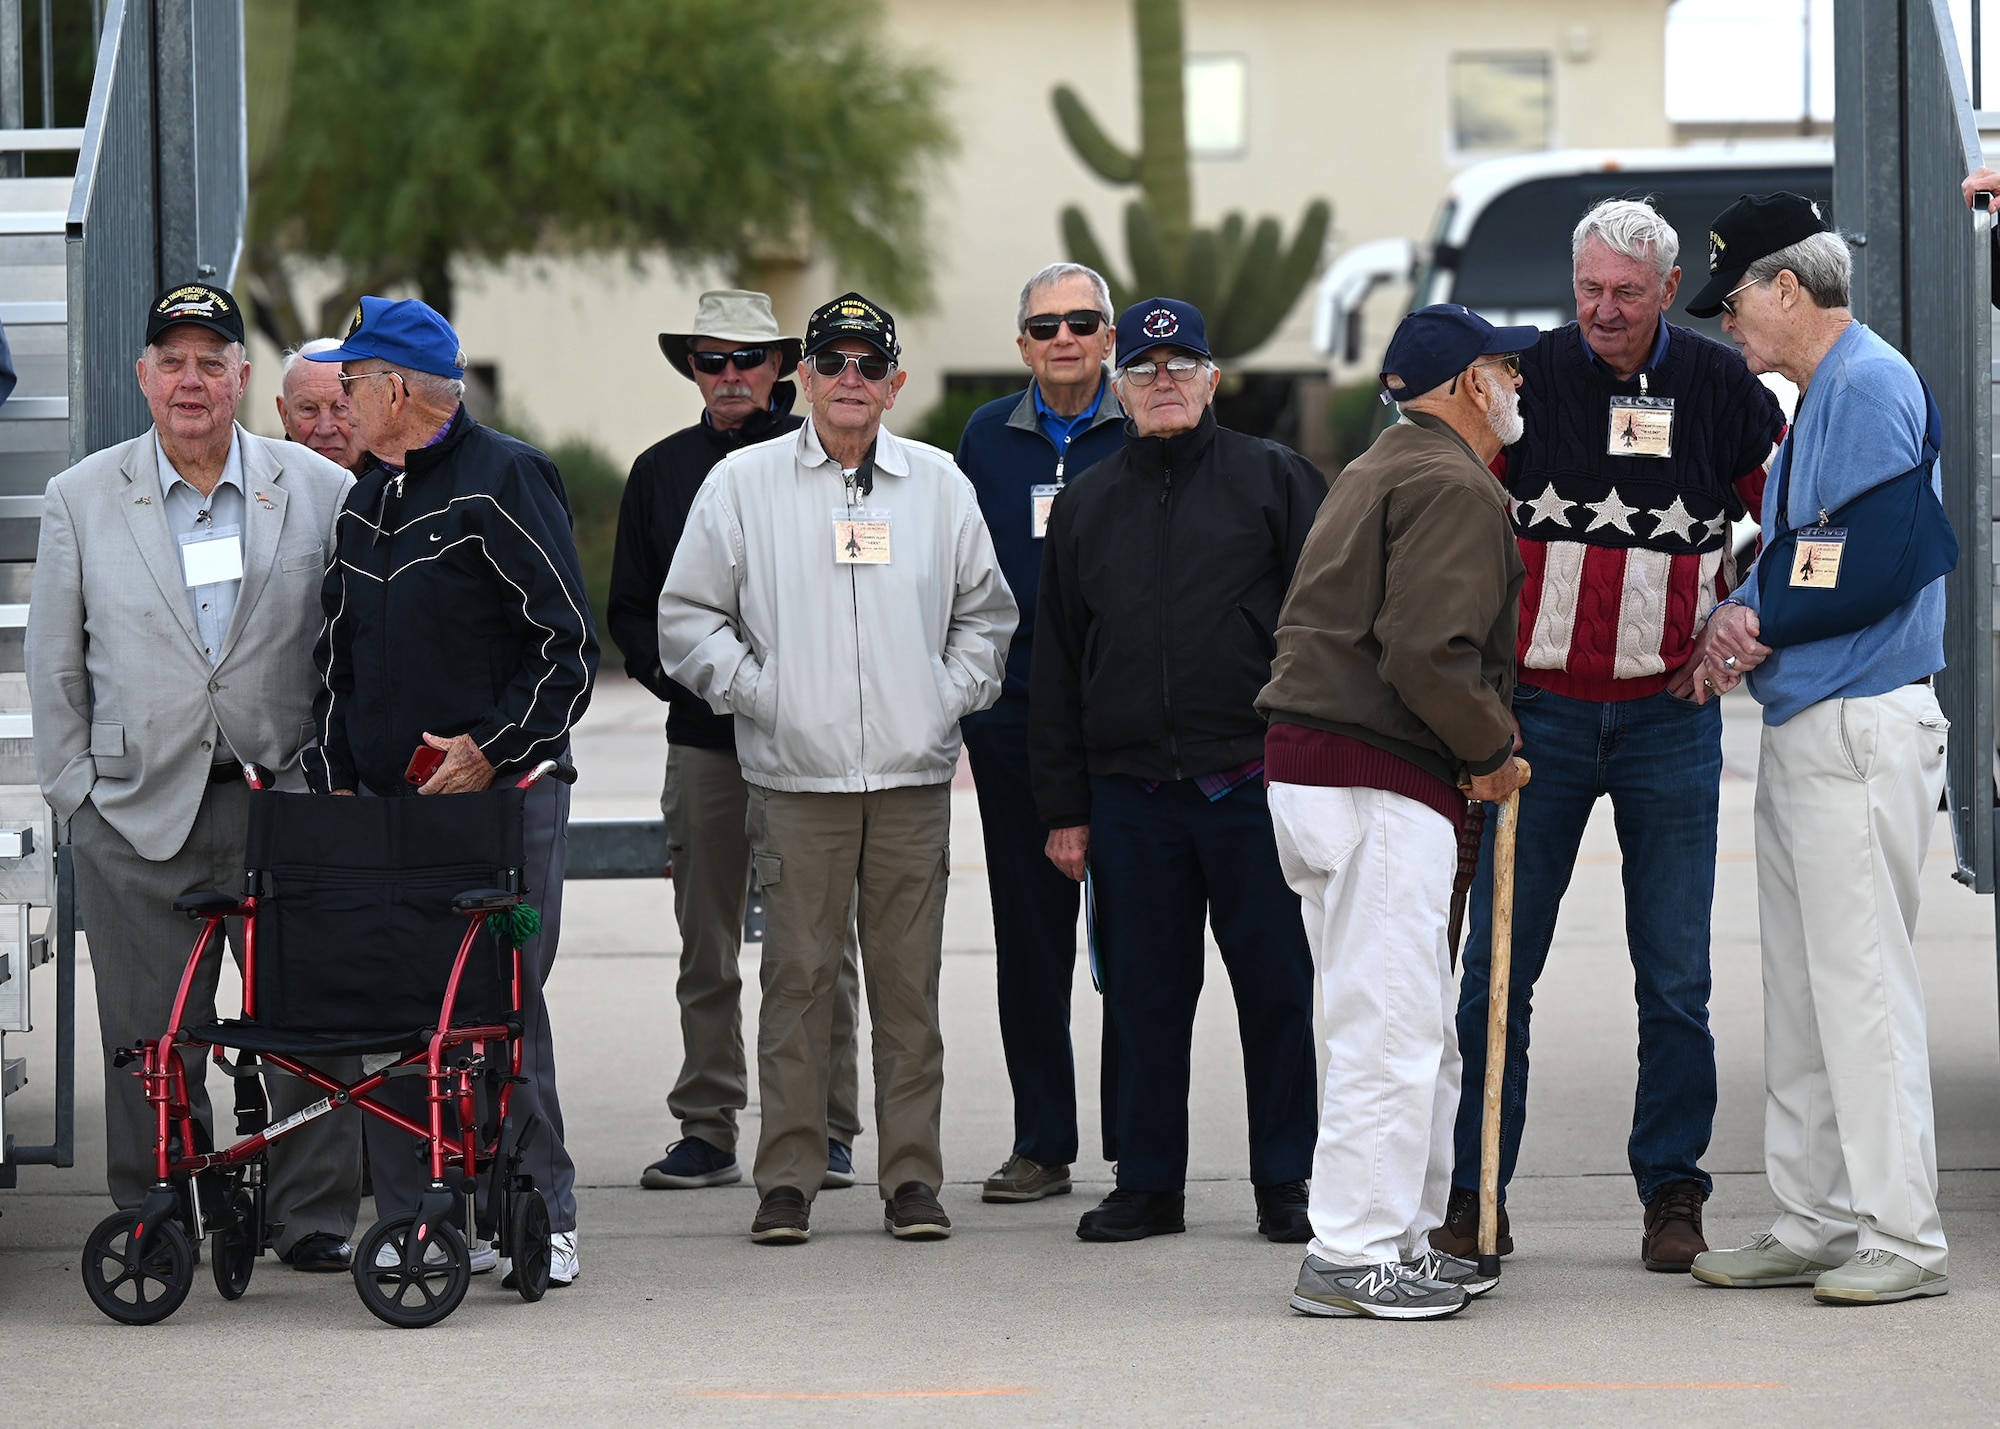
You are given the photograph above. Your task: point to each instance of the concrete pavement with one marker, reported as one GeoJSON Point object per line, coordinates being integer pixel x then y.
{"type": "Point", "coordinates": [678, 1318]}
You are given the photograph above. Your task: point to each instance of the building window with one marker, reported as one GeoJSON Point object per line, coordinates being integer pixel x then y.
{"type": "Point", "coordinates": [1217, 93]}
{"type": "Point", "coordinates": [1500, 101]}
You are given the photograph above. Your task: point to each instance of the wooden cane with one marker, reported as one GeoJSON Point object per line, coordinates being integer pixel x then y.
{"type": "Point", "coordinates": [1499, 968]}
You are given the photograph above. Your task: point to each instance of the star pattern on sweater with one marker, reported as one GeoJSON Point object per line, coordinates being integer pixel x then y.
{"type": "Point", "coordinates": [1549, 507]}
{"type": "Point", "coordinates": [1612, 511]}
{"type": "Point", "coordinates": [1677, 519]}
{"type": "Point", "coordinates": [1715, 527]}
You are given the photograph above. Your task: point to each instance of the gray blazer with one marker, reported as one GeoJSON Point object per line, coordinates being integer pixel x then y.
{"type": "Point", "coordinates": [126, 705]}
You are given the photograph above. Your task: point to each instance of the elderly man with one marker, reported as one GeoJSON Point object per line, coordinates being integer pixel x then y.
{"type": "Point", "coordinates": [456, 622]}
{"type": "Point", "coordinates": [736, 357]}
{"type": "Point", "coordinates": [836, 590]}
{"type": "Point", "coordinates": [1642, 442]}
{"type": "Point", "coordinates": [1164, 571]}
{"type": "Point", "coordinates": [1848, 780]}
{"type": "Point", "coordinates": [170, 640]}
{"type": "Point", "coordinates": [1019, 451]}
{"type": "Point", "coordinates": [1389, 693]}
{"type": "Point", "coordinates": [313, 406]}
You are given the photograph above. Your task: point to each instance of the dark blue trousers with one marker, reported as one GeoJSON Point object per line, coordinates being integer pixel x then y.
{"type": "Point", "coordinates": [1162, 864]}
{"type": "Point", "coordinates": [1034, 934]}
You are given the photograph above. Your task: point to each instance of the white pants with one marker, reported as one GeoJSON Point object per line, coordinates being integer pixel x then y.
{"type": "Point", "coordinates": [1374, 871]}
{"type": "Point", "coordinates": [1846, 792]}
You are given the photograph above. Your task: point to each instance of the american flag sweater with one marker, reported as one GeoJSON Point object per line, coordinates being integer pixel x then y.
{"type": "Point", "coordinates": [1626, 555]}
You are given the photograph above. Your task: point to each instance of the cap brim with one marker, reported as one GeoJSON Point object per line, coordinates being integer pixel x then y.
{"type": "Point", "coordinates": [674, 347]}
{"type": "Point", "coordinates": [228, 334]}
{"type": "Point", "coordinates": [1708, 302]}
{"type": "Point", "coordinates": [1121, 358]}
{"type": "Point", "coordinates": [829, 339]}
{"type": "Point", "coordinates": [336, 354]}
{"type": "Point", "coordinates": [1513, 339]}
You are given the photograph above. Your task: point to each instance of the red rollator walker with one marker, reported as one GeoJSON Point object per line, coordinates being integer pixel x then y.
{"type": "Point", "coordinates": [389, 928]}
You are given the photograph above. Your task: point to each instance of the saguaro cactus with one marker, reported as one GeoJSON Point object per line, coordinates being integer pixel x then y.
{"type": "Point", "coordinates": [1242, 276]}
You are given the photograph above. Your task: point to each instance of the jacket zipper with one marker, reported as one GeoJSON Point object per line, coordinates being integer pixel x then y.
{"type": "Point", "coordinates": [860, 685]}
{"type": "Point", "coordinates": [1166, 680]}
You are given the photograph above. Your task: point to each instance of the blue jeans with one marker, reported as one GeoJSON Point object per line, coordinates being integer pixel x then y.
{"type": "Point", "coordinates": [1660, 760]}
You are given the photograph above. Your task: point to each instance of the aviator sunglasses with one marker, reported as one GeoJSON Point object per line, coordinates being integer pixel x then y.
{"type": "Point", "coordinates": [872, 366]}
{"type": "Point", "coordinates": [744, 359]}
{"type": "Point", "coordinates": [1083, 322]}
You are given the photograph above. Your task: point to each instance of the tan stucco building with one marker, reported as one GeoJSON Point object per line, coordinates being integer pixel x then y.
{"type": "Point", "coordinates": [1372, 106]}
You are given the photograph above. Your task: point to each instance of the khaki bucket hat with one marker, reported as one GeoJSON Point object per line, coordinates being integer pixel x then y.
{"type": "Point", "coordinates": [731, 315]}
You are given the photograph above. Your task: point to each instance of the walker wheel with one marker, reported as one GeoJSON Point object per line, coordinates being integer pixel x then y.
{"type": "Point", "coordinates": [233, 1245]}
{"type": "Point", "coordinates": [137, 1288]}
{"type": "Point", "coordinates": [411, 1296]}
{"type": "Point", "coordinates": [528, 1244]}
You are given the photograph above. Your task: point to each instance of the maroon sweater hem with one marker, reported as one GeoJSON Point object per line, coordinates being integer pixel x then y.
{"type": "Point", "coordinates": [1295, 754]}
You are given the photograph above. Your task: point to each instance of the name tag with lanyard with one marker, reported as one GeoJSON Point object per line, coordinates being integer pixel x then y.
{"type": "Point", "coordinates": [1040, 500]}
{"type": "Point", "coordinates": [210, 557]}
{"type": "Point", "coordinates": [1816, 558]}
{"type": "Point", "coordinates": [860, 536]}
{"type": "Point", "coordinates": [1641, 425]}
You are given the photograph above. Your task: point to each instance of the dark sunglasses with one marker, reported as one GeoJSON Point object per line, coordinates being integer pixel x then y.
{"type": "Point", "coordinates": [1083, 322]}
{"type": "Point", "coordinates": [872, 366]}
{"type": "Point", "coordinates": [745, 359]}
{"type": "Point", "coordinates": [1511, 361]}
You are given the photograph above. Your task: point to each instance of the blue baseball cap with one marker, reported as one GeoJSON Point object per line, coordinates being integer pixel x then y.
{"type": "Point", "coordinates": [1434, 344]}
{"type": "Point", "coordinates": [409, 333]}
{"type": "Point", "coordinates": [1161, 322]}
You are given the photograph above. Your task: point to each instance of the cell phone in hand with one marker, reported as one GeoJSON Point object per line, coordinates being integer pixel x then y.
{"type": "Point", "coordinates": [423, 764]}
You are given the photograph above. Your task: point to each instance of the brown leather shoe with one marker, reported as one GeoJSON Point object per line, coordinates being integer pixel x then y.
{"type": "Point", "coordinates": [913, 1213]}
{"type": "Point", "coordinates": [783, 1217]}
{"type": "Point", "coordinates": [1673, 1228]}
{"type": "Point", "coordinates": [1459, 1235]}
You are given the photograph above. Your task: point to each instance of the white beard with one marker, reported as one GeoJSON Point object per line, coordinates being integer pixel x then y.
{"type": "Point", "coordinates": [1504, 416]}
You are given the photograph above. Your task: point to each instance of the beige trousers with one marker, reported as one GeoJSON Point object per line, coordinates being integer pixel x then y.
{"type": "Point", "coordinates": [888, 852]}
{"type": "Point", "coordinates": [705, 802]}
{"type": "Point", "coordinates": [1846, 794]}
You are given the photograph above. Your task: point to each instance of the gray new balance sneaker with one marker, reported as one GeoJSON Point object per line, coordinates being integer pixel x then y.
{"type": "Point", "coordinates": [1456, 1270]}
{"type": "Point", "coordinates": [1760, 1265]}
{"type": "Point", "coordinates": [1377, 1292]}
{"type": "Point", "coordinates": [1878, 1277]}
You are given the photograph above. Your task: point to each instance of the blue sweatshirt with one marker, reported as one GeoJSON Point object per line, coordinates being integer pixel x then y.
{"type": "Point", "coordinates": [1860, 423]}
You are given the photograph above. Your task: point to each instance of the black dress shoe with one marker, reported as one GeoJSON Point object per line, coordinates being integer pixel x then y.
{"type": "Point", "coordinates": [1281, 1213]}
{"type": "Point", "coordinates": [1134, 1215]}
{"type": "Point", "coordinates": [321, 1253]}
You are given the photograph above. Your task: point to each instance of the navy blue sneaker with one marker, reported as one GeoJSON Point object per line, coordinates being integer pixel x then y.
{"type": "Point", "coordinates": [690, 1164]}
{"type": "Point", "coordinates": [839, 1166]}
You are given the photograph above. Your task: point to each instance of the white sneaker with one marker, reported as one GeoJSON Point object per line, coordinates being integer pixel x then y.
{"type": "Point", "coordinates": [563, 1266]}
{"type": "Point", "coordinates": [484, 1256]}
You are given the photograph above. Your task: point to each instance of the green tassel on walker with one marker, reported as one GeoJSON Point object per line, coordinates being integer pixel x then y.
{"type": "Point", "coordinates": [514, 926]}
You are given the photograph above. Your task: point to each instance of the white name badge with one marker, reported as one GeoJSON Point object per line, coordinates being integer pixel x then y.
{"type": "Point", "coordinates": [1641, 426]}
{"type": "Point", "coordinates": [1816, 558]}
{"type": "Point", "coordinates": [212, 557]}
{"type": "Point", "coordinates": [860, 536]}
{"type": "Point", "coordinates": [1040, 500]}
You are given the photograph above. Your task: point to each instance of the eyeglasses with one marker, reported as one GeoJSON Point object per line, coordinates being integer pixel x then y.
{"type": "Point", "coordinates": [1729, 307]}
{"type": "Point", "coordinates": [743, 359]}
{"type": "Point", "coordinates": [1181, 369]}
{"type": "Point", "coordinates": [347, 377]}
{"type": "Point", "coordinates": [1511, 361]}
{"type": "Point", "coordinates": [872, 366]}
{"type": "Point", "coordinates": [1083, 322]}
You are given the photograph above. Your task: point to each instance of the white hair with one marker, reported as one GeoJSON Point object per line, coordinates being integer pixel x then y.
{"type": "Point", "coordinates": [1630, 227]}
{"type": "Point", "coordinates": [1055, 273]}
{"type": "Point", "coordinates": [1821, 262]}
{"type": "Point", "coordinates": [300, 353]}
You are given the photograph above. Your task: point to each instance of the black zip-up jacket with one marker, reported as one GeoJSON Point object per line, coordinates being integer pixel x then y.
{"type": "Point", "coordinates": [651, 517]}
{"type": "Point", "coordinates": [1162, 577]}
{"type": "Point", "coordinates": [454, 605]}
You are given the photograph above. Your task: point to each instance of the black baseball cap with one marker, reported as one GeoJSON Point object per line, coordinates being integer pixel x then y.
{"type": "Point", "coordinates": [1755, 226]}
{"type": "Point", "coordinates": [1161, 322]}
{"type": "Point", "coordinates": [1434, 344]}
{"type": "Point", "coordinates": [851, 315]}
{"type": "Point", "coordinates": [198, 304]}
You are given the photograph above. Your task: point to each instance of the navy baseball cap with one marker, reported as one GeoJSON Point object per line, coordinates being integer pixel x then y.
{"type": "Point", "coordinates": [1755, 226]}
{"type": "Point", "coordinates": [409, 333]}
{"type": "Point", "coordinates": [1161, 322]}
{"type": "Point", "coordinates": [1433, 345]}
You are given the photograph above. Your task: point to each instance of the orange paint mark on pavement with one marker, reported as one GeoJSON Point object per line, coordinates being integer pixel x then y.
{"type": "Point", "coordinates": [859, 1393]}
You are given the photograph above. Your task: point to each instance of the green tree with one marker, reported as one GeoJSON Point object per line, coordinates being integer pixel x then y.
{"type": "Point", "coordinates": [738, 132]}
